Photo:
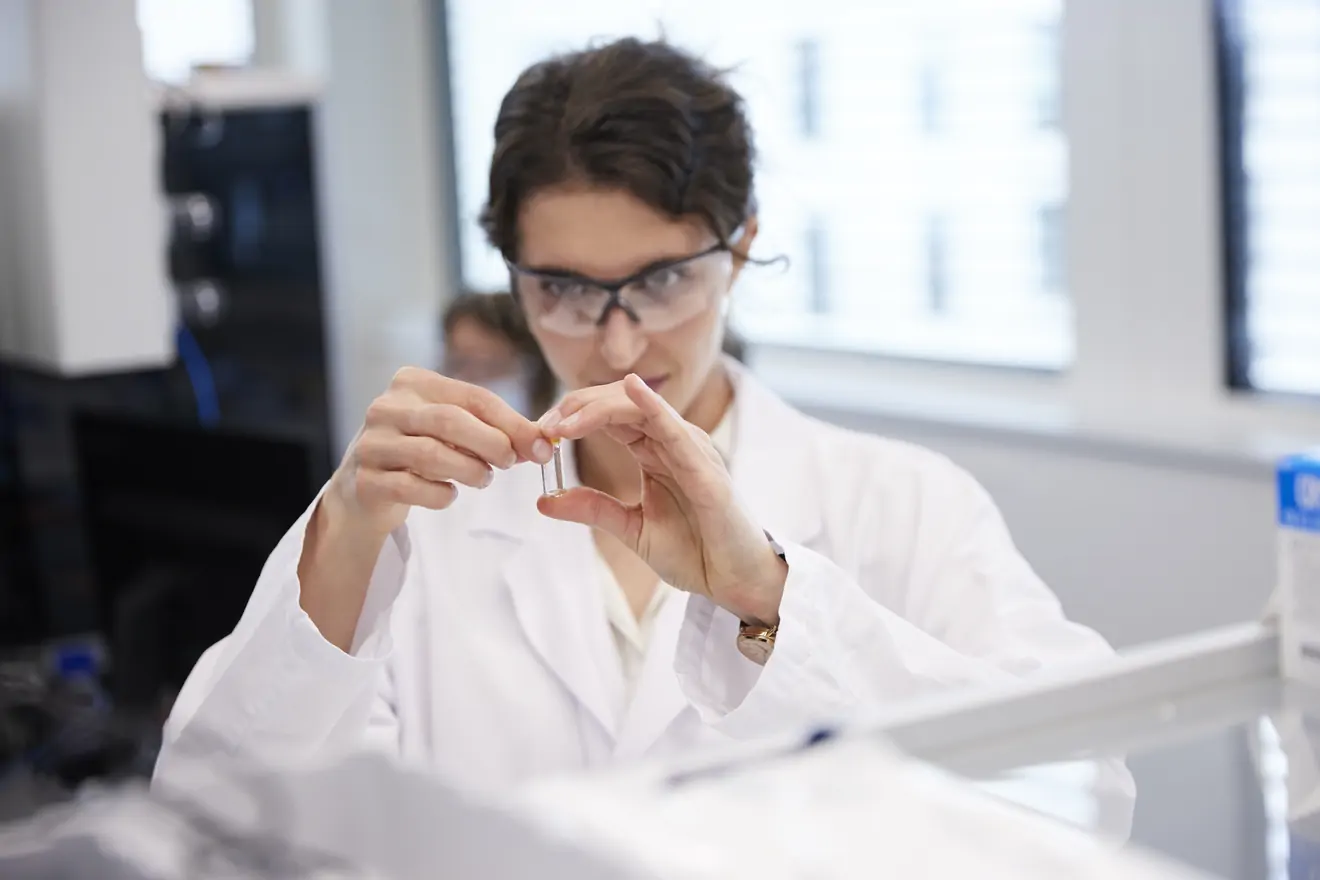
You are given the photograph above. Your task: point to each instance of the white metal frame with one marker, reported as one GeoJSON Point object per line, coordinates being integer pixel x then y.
{"type": "Point", "coordinates": [1173, 686]}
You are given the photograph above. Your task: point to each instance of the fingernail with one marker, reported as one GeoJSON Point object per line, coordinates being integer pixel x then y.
{"type": "Point", "coordinates": [568, 423]}
{"type": "Point", "coordinates": [549, 420]}
{"type": "Point", "coordinates": [490, 478]}
{"type": "Point", "coordinates": [542, 451]}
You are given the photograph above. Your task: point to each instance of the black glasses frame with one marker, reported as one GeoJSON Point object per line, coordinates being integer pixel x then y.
{"type": "Point", "coordinates": [613, 288]}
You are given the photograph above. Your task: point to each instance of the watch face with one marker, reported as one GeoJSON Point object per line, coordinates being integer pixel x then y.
{"type": "Point", "coordinates": [756, 649]}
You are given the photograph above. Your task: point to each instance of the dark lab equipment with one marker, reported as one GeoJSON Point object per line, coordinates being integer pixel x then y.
{"type": "Point", "coordinates": [245, 260]}
{"type": "Point", "coordinates": [137, 508]}
{"type": "Point", "coordinates": [181, 520]}
{"type": "Point", "coordinates": [20, 602]}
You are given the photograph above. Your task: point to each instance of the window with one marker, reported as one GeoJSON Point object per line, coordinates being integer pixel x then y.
{"type": "Point", "coordinates": [1270, 99]}
{"type": "Point", "coordinates": [178, 35]}
{"type": "Point", "coordinates": [872, 171]}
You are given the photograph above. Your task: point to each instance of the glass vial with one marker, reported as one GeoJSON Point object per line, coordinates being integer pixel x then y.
{"type": "Point", "coordinates": [552, 472]}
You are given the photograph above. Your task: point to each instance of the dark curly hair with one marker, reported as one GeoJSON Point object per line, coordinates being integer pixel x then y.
{"type": "Point", "coordinates": [645, 117]}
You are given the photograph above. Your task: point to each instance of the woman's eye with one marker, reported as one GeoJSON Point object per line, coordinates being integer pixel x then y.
{"type": "Point", "coordinates": [665, 279]}
{"type": "Point", "coordinates": [562, 288]}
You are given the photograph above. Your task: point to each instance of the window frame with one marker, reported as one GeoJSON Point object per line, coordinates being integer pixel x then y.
{"type": "Point", "coordinates": [1230, 86]}
{"type": "Point", "coordinates": [1230, 49]}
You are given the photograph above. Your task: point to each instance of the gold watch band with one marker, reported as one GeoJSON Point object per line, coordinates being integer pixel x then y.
{"type": "Point", "coordinates": [757, 643]}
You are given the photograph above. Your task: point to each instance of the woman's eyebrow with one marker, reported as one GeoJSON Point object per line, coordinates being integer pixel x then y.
{"type": "Point", "coordinates": [564, 272]}
{"type": "Point", "coordinates": [552, 269]}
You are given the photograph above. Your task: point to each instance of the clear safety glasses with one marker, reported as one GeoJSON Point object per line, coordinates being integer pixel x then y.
{"type": "Point", "coordinates": [658, 298]}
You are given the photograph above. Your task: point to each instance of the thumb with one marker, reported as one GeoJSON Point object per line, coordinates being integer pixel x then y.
{"type": "Point", "coordinates": [594, 508]}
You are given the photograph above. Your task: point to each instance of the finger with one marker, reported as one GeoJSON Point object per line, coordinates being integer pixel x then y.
{"type": "Point", "coordinates": [594, 508]}
{"type": "Point", "coordinates": [402, 487]}
{"type": "Point", "coordinates": [575, 401]}
{"type": "Point", "coordinates": [611, 411]}
{"type": "Point", "coordinates": [668, 423]}
{"type": "Point", "coordinates": [664, 424]}
{"type": "Point", "coordinates": [445, 422]}
{"type": "Point", "coordinates": [487, 406]}
{"type": "Point", "coordinates": [426, 457]}
{"type": "Point", "coordinates": [524, 435]}
{"type": "Point", "coordinates": [625, 435]}
{"type": "Point", "coordinates": [627, 414]}
{"type": "Point", "coordinates": [456, 426]}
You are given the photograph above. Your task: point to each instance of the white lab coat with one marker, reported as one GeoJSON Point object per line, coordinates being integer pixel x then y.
{"type": "Point", "coordinates": [483, 650]}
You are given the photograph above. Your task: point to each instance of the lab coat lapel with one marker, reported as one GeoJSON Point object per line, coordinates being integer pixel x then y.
{"type": "Point", "coordinates": [658, 699]}
{"type": "Point", "coordinates": [772, 464]}
{"type": "Point", "coordinates": [551, 578]}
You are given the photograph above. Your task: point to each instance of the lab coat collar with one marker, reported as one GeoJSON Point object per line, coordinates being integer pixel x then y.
{"type": "Point", "coordinates": [774, 461]}
{"type": "Point", "coordinates": [658, 699]}
{"type": "Point", "coordinates": [773, 464]}
{"type": "Point", "coordinates": [550, 578]}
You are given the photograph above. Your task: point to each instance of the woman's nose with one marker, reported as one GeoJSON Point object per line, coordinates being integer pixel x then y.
{"type": "Point", "coordinates": [622, 341]}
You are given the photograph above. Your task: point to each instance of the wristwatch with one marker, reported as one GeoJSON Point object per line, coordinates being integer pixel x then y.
{"type": "Point", "coordinates": [757, 642]}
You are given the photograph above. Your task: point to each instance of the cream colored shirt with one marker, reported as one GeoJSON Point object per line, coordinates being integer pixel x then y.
{"type": "Point", "coordinates": [632, 634]}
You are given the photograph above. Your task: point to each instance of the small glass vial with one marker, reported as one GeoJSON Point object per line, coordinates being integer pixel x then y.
{"type": "Point", "coordinates": [552, 472]}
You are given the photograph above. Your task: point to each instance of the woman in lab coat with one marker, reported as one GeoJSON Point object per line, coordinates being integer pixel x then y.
{"type": "Point", "coordinates": [720, 566]}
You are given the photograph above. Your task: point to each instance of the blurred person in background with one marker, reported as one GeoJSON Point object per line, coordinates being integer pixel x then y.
{"type": "Point", "coordinates": [717, 566]}
{"type": "Point", "coordinates": [486, 342]}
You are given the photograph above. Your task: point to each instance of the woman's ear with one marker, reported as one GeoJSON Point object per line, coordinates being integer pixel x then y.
{"type": "Point", "coordinates": [741, 245]}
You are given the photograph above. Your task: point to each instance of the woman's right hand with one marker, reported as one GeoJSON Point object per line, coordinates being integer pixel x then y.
{"type": "Point", "coordinates": [425, 435]}
{"type": "Point", "coordinates": [422, 438]}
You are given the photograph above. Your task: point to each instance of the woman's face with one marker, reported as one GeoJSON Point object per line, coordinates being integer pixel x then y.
{"type": "Point", "coordinates": [609, 234]}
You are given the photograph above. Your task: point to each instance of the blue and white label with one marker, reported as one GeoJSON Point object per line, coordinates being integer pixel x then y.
{"type": "Point", "coordinates": [1299, 492]}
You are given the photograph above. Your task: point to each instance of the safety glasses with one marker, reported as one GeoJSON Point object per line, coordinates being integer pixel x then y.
{"type": "Point", "coordinates": [658, 298]}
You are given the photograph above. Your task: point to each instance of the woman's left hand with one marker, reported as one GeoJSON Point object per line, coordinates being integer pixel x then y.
{"type": "Point", "coordinates": [688, 526]}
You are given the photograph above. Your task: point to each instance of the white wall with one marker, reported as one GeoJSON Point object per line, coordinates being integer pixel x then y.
{"type": "Point", "coordinates": [83, 283]}
{"type": "Point", "coordinates": [291, 35]}
{"type": "Point", "coordinates": [1136, 543]}
{"type": "Point", "coordinates": [380, 174]}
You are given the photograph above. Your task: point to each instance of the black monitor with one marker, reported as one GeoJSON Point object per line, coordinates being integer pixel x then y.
{"type": "Point", "coordinates": [180, 520]}
{"type": "Point", "coordinates": [22, 621]}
